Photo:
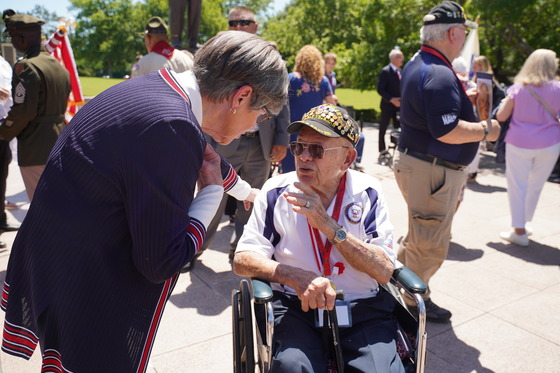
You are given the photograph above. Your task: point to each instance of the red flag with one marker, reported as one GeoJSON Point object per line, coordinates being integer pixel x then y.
{"type": "Point", "coordinates": [59, 46]}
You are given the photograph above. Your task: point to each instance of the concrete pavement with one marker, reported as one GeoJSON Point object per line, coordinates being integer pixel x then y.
{"type": "Point", "coordinates": [505, 299]}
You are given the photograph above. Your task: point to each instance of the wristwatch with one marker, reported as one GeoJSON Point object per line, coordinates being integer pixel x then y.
{"type": "Point", "coordinates": [340, 235]}
{"type": "Point", "coordinates": [485, 128]}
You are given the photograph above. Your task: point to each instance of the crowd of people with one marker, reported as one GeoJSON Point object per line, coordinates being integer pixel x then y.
{"type": "Point", "coordinates": [133, 190]}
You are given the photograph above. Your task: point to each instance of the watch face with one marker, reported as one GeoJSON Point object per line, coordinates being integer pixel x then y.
{"type": "Point", "coordinates": [340, 235]}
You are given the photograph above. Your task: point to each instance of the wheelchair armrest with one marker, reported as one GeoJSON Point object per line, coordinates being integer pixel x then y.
{"type": "Point", "coordinates": [409, 280]}
{"type": "Point", "coordinates": [262, 292]}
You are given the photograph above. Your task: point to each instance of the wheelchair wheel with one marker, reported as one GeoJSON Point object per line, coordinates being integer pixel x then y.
{"type": "Point", "coordinates": [243, 347]}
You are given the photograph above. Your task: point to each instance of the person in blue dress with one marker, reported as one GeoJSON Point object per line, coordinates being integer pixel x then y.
{"type": "Point", "coordinates": [309, 87]}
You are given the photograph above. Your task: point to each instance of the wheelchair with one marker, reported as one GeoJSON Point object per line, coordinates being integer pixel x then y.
{"type": "Point", "coordinates": [388, 158]}
{"type": "Point", "coordinates": [255, 339]}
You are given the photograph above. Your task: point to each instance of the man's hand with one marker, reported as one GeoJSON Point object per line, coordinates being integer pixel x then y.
{"type": "Point", "coordinates": [278, 153]}
{"type": "Point", "coordinates": [396, 101]}
{"type": "Point", "coordinates": [308, 203]}
{"type": "Point", "coordinates": [210, 171]}
{"type": "Point", "coordinates": [313, 291]}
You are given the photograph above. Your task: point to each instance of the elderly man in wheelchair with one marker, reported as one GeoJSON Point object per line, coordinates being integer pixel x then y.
{"type": "Point", "coordinates": [321, 228]}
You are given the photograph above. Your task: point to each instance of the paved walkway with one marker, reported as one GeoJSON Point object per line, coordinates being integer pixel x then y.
{"type": "Point", "coordinates": [505, 299]}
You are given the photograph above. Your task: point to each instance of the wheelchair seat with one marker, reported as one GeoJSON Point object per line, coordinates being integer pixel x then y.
{"type": "Point", "coordinates": [258, 295]}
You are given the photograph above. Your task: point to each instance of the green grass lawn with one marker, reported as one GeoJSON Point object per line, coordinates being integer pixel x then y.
{"type": "Point", "coordinates": [360, 100]}
{"type": "Point", "coordinates": [92, 86]}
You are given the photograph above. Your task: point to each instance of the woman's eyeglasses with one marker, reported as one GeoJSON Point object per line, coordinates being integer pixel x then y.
{"type": "Point", "coordinates": [240, 22]}
{"type": "Point", "coordinates": [264, 117]}
{"type": "Point", "coordinates": [316, 151]}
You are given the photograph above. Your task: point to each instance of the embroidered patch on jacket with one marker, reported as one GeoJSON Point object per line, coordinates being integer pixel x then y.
{"type": "Point", "coordinates": [354, 212]}
{"type": "Point", "coordinates": [19, 96]}
{"type": "Point", "coordinates": [8, 123]}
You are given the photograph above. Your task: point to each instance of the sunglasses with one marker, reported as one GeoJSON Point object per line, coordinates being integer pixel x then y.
{"type": "Point", "coordinates": [264, 117]}
{"type": "Point", "coordinates": [464, 28]}
{"type": "Point", "coordinates": [316, 151]}
{"type": "Point", "coordinates": [240, 22]}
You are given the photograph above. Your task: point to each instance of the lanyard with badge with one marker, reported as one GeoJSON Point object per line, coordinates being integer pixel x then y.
{"type": "Point", "coordinates": [322, 252]}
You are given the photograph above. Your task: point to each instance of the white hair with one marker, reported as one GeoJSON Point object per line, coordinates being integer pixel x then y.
{"type": "Point", "coordinates": [460, 65]}
{"type": "Point", "coordinates": [436, 32]}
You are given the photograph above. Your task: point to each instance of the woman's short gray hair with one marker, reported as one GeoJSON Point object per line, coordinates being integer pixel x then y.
{"type": "Point", "coordinates": [232, 59]}
{"type": "Point", "coordinates": [436, 32]}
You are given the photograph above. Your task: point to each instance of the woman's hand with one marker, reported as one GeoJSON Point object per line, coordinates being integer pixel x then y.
{"type": "Point", "coordinates": [210, 171]}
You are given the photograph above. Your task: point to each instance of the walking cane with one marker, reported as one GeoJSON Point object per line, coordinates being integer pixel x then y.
{"type": "Point", "coordinates": [333, 321]}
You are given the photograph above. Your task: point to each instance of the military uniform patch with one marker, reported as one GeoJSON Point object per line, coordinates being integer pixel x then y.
{"type": "Point", "coordinates": [19, 96]}
{"type": "Point", "coordinates": [354, 212]}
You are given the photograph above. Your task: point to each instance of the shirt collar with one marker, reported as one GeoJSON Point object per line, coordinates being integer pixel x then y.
{"type": "Point", "coordinates": [189, 83]}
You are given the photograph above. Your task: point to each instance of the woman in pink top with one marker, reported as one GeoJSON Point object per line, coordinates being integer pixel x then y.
{"type": "Point", "coordinates": [532, 140]}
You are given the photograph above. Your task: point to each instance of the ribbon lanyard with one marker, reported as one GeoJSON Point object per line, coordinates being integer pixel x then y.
{"type": "Point", "coordinates": [325, 249]}
{"type": "Point", "coordinates": [435, 52]}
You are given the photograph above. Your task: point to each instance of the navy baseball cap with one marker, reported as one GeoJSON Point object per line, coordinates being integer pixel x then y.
{"type": "Point", "coordinates": [448, 12]}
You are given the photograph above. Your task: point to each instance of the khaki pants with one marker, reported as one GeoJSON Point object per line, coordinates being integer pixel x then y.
{"type": "Point", "coordinates": [31, 176]}
{"type": "Point", "coordinates": [431, 192]}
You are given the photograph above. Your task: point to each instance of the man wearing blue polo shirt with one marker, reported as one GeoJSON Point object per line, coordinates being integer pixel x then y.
{"type": "Point", "coordinates": [439, 139]}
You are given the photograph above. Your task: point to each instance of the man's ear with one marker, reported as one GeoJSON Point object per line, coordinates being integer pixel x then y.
{"type": "Point", "coordinates": [351, 155]}
{"type": "Point", "coordinates": [242, 97]}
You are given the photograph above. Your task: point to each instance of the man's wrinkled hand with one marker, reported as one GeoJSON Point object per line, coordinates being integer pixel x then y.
{"type": "Point", "coordinates": [318, 294]}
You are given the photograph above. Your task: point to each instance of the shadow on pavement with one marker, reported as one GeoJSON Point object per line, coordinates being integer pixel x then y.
{"type": "Point", "coordinates": [480, 188]}
{"type": "Point", "coordinates": [208, 292]}
{"type": "Point", "coordinates": [535, 253]}
{"type": "Point", "coordinates": [449, 354]}
{"type": "Point", "coordinates": [460, 253]}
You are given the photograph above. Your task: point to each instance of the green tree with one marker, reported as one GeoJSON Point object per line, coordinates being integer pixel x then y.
{"type": "Point", "coordinates": [362, 32]}
{"type": "Point", "coordinates": [510, 30]}
{"type": "Point", "coordinates": [108, 33]}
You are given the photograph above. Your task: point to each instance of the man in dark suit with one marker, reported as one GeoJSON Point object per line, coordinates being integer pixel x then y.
{"type": "Point", "coordinates": [388, 87]}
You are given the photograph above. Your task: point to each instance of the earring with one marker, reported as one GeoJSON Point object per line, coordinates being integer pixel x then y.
{"type": "Point", "coordinates": [233, 110]}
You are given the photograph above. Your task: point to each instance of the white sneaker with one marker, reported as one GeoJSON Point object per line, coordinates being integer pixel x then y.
{"type": "Point", "coordinates": [529, 231]}
{"type": "Point", "coordinates": [514, 238]}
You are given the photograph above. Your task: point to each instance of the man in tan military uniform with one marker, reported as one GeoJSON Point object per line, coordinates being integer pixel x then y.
{"type": "Point", "coordinates": [40, 89]}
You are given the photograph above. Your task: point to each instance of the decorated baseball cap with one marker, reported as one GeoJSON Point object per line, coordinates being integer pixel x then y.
{"type": "Point", "coordinates": [20, 22]}
{"type": "Point", "coordinates": [330, 121]}
{"type": "Point", "coordinates": [156, 25]}
{"type": "Point", "coordinates": [448, 12]}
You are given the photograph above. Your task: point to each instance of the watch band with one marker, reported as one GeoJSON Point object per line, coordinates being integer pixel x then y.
{"type": "Point", "coordinates": [340, 235]}
{"type": "Point", "coordinates": [486, 131]}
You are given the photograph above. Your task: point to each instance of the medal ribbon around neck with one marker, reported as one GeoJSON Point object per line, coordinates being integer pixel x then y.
{"type": "Point", "coordinates": [323, 253]}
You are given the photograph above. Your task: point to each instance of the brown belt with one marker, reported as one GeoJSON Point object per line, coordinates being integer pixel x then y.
{"type": "Point", "coordinates": [432, 159]}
